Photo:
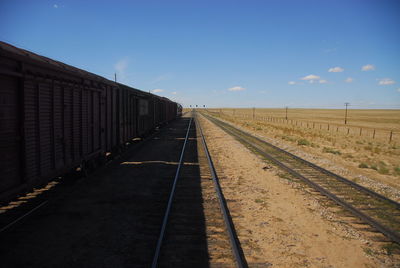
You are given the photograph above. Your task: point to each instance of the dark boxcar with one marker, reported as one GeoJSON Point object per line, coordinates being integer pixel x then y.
{"type": "Point", "coordinates": [52, 118]}
{"type": "Point", "coordinates": [136, 113]}
{"type": "Point", "coordinates": [170, 110]}
{"type": "Point", "coordinates": [127, 114]}
{"type": "Point", "coordinates": [159, 108]}
{"type": "Point", "coordinates": [55, 117]}
{"type": "Point", "coordinates": [178, 110]}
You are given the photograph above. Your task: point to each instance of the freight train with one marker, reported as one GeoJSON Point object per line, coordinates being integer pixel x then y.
{"type": "Point", "coordinates": [55, 118]}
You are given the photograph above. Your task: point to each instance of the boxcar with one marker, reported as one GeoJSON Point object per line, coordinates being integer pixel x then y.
{"type": "Point", "coordinates": [55, 117]}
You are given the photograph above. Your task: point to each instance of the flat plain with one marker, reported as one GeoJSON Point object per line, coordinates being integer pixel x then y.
{"type": "Point", "coordinates": [378, 119]}
{"type": "Point", "coordinates": [365, 150]}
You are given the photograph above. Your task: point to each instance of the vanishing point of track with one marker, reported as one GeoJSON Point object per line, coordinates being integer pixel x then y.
{"type": "Point", "coordinates": [228, 235]}
{"type": "Point", "coordinates": [378, 211]}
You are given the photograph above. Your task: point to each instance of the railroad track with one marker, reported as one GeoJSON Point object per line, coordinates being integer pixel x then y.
{"type": "Point", "coordinates": [378, 211]}
{"type": "Point", "coordinates": [197, 208]}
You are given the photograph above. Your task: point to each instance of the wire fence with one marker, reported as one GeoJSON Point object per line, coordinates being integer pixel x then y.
{"type": "Point", "coordinates": [340, 129]}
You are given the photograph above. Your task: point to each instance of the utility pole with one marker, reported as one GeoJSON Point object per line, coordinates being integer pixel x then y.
{"type": "Point", "coordinates": [286, 112]}
{"type": "Point", "coordinates": [115, 77]}
{"type": "Point", "coordinates": [345, 115]}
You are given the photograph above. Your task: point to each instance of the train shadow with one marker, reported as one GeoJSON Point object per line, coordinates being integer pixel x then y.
{"type": "Point", "coordinates": [113, 217]}
{"type": "Point", "coordinates": [185, 240]}
{"type": "Point", "coordinates": [186, 237]}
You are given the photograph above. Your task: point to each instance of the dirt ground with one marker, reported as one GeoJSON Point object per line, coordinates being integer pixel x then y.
{"type": "Point", "coordinates": [280, 223]}
{"type": "Point", "coordinates": [373, 164]}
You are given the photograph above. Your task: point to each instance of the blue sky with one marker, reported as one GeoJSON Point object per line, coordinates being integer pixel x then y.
{"type": "Point", "coordinates": [224, 53]}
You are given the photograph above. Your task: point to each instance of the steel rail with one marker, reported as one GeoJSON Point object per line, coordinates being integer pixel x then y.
{"type": "Point", "coordinates": [235, 244]}
{"type": "Point", "coordinates": [388, 232]}
{"type": "Point", "coordinates": [23, 216]}
{"type": "Point", "coordinates": [355, 185]}
{"type": "Point", "coordinates": [327, 172]}
{"type": "Point", "coordinates": [170, 200]}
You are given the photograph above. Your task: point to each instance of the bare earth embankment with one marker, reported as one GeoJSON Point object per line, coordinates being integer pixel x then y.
{"type": "Point", "coordinates": [280, 223]}
{"type": "Point", "coordinates": [373, 162]}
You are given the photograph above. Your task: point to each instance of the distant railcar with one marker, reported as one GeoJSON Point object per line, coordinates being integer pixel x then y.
{"type": "Point", "coordinates": [55, 118]}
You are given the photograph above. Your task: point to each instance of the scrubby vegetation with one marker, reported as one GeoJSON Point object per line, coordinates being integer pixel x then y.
{"type": "Point", "coordinates": [375, 156]}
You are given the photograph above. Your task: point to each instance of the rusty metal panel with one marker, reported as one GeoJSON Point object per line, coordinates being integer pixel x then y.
{"type": "Point", "coordinates": [90, 121]}
{"type": "Point", "coordinates": [132, 114]}
{"type": "Point", "coordinates": [114, 106]}
{"type": "Point", "coordinates": [85, 121]}
{"type": "Point", "coordinates": [108, 119]}
{"type": "Point", "coordinates": [76, 123]}
{"type": "Point", "coordinates": [58, 118]}
{"type": "Point", "coordinates": [32, 154]}
{"type": "Point", "coordinates": [68, 150]}
{"type": "Point", "coordinates": [151, 124]}
{"type": "Point", "coordinates": [45, 128]}
{"type": "Point", "coordinates": [96, 121]}
{"type": "Point", "coordinates": [123, 115]}
{"type": "Point", "coordinates": [9, 133]}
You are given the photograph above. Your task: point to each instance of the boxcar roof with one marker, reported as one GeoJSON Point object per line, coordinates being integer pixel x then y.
{"type": "Point", "coordinates": [30, 56]}
{"type": "Point", "coordinates": [42, 60]}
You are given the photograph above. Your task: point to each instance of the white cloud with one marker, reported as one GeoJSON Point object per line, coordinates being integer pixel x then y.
{"type": "Point", "coordinates": [310, 77]}
{"type": "Point", "coordinates": [386, 81]}
{"type": "Point", "coordinates": [174, 93]}
{"type": "Point", "coordinates": [120, 68]}
{"type": "Point", "coordinates": [292, 83]}
{"type": "Point", "coordinates": [55, 6]}
{"type": "Point", "coordinates": [237, 88]}
{"type": "Point", "coordinates": [323, 81]}
{"type": "Point", "coordinates": [157, 90]}
{"type": "Point", "coordinates": [349, 80]}
{"type": "Point", "coordinates": [368, 67]}
{"type": "Point", "coordinates": [336, 70]}
{"type": "Point", "coordinates": [121, 65]}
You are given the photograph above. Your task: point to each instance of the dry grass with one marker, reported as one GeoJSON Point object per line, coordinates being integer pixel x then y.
{"type": "Point", "coordinates": [374, 157]}
{"type": "Point", "coordinates": [378, 119]}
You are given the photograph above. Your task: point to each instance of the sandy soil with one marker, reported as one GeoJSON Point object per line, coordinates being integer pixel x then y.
{"type": "Point", "coordinates": [279, 223]}
{"type": "Point", "coordinates": [346, 163]}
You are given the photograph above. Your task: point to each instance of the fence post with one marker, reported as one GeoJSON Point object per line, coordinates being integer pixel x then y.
{"type": "Point", "coordinates": [391, 135]}
{"type": "Point", "coordinates": [313, 125]}
{"type": "Point", "coordinates": [373, 135]}
{"type": "Point", "coordinates": [348, 130]}
{"type": "Point", "coordinates": [328, 127]}
{"type": "Point", "coordinates": [360, 131]}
